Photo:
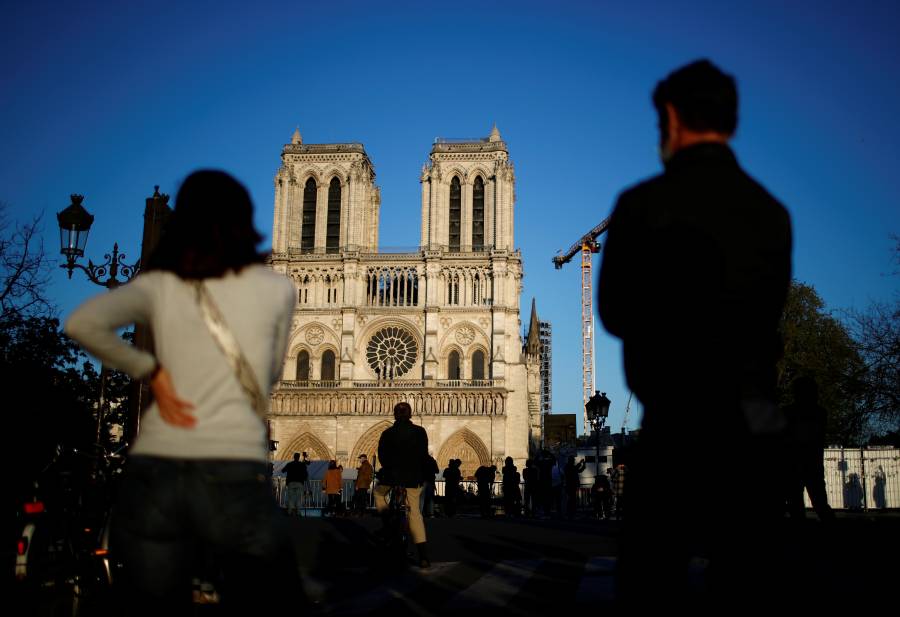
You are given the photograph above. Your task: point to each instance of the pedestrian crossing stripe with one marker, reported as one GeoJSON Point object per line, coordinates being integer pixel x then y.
{"type": "Point", "coordinates": [454, 587]}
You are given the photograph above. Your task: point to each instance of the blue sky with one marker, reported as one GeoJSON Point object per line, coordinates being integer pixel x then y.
{"type": "Point", "coordinates": [108, 99]}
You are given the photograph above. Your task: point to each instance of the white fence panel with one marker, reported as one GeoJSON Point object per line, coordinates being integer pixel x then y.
{"type": "Point", "coordinates": [857, 479]}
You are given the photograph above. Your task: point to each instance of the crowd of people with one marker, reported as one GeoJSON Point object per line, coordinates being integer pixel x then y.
{"type": "Point", "coordinates": [546, 488]}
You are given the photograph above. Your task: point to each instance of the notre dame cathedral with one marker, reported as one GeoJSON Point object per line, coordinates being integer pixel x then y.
{"type": "Point", "coordinates": [438, 327]}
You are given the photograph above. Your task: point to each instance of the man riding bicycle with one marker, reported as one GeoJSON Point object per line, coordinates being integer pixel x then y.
{"type": "Point", "coordinates": [403, 453]}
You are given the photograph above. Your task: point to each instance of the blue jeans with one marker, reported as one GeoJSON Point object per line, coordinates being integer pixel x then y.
{"type": "Point", "coordinates": [175, 515]}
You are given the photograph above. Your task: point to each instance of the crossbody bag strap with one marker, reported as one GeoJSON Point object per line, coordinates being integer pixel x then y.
{"type": "Point", "coordinates": [224, 338]}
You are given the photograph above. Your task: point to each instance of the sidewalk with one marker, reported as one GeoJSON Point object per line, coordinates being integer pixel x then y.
{"type": "Point", "coordinates": [535, 567]}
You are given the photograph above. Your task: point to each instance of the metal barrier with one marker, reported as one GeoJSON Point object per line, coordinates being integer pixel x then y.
{"type": "Point", "coordinates": [862, 478]}
{"type": "Point", "coordinates": [855, 479]}
{"type": "Point", "coordinates": [315, 498]}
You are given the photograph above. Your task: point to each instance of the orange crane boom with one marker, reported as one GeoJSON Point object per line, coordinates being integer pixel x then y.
{"type": "Point", "coordinates": [587, 246]}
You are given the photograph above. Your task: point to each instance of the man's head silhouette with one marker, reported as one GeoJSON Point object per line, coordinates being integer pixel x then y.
{"type": "Point", "coordinates": [402, 411]}
{"type": "Point", "coordinates": [696, 103]}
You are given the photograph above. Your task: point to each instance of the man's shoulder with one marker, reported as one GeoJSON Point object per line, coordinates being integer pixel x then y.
{"type": "Point", "coordinates": [640, 191]}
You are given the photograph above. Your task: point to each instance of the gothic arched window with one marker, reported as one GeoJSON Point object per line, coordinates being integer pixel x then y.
{"type": "Point", "coordinates": [308, 216]}
{"type": "Point", "coordinates": [453, 365]}
{"type": "Point", "coordinates": [328, 365]}
{"type": "Point", "coordinates": [303, 366]}
{"type": "Point", "coordinates": [478, 215]}
{"type": "Point", "coordinates": [478, 365]}
{"type": "Point", "coordinates": [455, 212]}
{"type": "Point", "coordinates": [333, 227]}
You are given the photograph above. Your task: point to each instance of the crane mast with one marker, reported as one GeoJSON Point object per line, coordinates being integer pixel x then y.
{"type": "Point", "coordinates": [587, 246]}
{"type": "Point", "coordinates": [587, 328]}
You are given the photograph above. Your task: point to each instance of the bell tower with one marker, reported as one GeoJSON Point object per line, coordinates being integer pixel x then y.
{"type": "Point", "coordinates": [468, 195]}
{"type": "Point", "coordinates": [326, 200]}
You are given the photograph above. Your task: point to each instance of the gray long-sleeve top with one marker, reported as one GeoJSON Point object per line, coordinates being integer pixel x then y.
{"type": "Point", "coordinates": [257, 304]}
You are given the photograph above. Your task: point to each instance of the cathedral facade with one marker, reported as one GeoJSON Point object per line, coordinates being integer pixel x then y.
{"type": "Point", "coordinates": [438, 327]}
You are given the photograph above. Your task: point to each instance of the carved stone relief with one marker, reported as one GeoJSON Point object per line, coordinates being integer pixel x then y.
{"type": "Point", "coordinates": [465, 335]}
{"type": "Point", "coordinates": [315, 335]}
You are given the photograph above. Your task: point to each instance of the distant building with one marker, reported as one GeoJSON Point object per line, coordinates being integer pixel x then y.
{"type": "Point", "coordinates": [560, 433]}
{"type": "Point", "coordinates": [437, 327]}
{"type": "Point", "coordinates": [546, 366]}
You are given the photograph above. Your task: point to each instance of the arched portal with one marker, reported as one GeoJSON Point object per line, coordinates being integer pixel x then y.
{"type": "Point", "coordinates": [467, 447]}
{"type": "Point", "coordinates": [309, 443]}
{"type": "Point", "coordinates": [368, 443]}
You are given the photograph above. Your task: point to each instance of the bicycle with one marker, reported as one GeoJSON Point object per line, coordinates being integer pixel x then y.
{"type": "Point", "coordinates": [63, 549]}
{"type": "Point", "coordinates": [396, 525]}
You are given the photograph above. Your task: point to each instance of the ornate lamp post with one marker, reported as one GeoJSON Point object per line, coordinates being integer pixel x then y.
{"type": "Point", "coordinates": [74, 225]}
{"type": "Point", "coordinates": [597, 411]}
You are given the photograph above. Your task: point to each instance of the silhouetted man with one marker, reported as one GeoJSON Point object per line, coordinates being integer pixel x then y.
{"type": "Point", "coordinates": [452, 478]}
{"type": "Point", "coordinates": [806, 445]}
{"type": "Point", "coordinates": [695, 273]}
{"type": "Point", "coordinates": [484, 476]}
{"type": "Point", "coordinates": [545, 464]}
{"type": "Point", "coordinates": [403, 450]}
{"type": "Point", "coordinates": [296, 475]}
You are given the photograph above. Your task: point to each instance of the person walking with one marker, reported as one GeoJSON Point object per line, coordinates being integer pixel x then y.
{"type": "Point", "coordinates": [296, 475]}
{"type": "Point", "coordinates": [364, 475]}
{"type": "Point", "coordinates": [402, 450]}
{"type": "Point", "coordinates": [452, 478]}
{"type": "Point", "coordinates": [196, 474]}
{"type": "Point", "coordinates": [695, 273]}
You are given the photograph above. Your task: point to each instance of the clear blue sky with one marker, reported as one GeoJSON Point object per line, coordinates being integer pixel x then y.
{"type": "Point", "coordinates": [108, 99]}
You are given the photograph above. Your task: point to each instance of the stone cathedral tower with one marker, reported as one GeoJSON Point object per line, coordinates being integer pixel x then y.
{"type": "Point", "coordinates": [438, 327]}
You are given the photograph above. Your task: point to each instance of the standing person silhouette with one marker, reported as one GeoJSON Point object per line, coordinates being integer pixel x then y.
{"type": "Point", "coordinates": [485, 476]}
{"type": "Point", "coordinates": [364, 475]}
{"type": "Point", "coordinates": [512, 495]}
{"type": "Point", "coordinates": [695, 273]}
{"type": "Point", "coordinates": [572, 481]}
{"type": "Point", "coordinates": [296, 474]}
{"type": "Point", "coordinates": [806, 420]}
{"type": "Point", "coordinates": [452, 477]}
{"type": "Point", "coordinates": [530, 475]}
{"type": "Point", "coordinates": [197, 472]}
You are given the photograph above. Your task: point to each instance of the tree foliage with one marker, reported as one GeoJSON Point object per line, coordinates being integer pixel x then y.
{"type": "Point", "coordinates": [51, 389]}
{"type": "Point", "coordinates": [855, 361]}
{"type": "Point", "coordinates": [876, 331]}
{"type": "Point", "coordinates": [820, 346]}
{"type": "Point", "coordinates": [24, 268]}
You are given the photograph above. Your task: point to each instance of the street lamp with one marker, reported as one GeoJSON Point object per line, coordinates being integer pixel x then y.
{"type": "Point", "coordinates": [74, 225]}
{"type": "Point", "coordinates": [597, 411]}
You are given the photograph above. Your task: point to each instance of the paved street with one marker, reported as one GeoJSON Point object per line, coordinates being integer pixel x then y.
{"type": "Point", "coordinates": [526, 567]}
{"type": "Point", "coordinates": [519, 567]}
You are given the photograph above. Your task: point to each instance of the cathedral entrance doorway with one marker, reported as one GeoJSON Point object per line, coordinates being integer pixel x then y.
{"type": "Point", "coordinates": [467, 447]}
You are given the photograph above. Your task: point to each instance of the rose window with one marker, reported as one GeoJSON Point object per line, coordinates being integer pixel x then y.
{"type": "Point", "coordinates": [391, 352]}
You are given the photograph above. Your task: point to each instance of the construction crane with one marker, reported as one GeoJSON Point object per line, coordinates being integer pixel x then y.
{"type": "Point", "coordinates": [627, 409]}
{"type": "Point", "coordinates": [587, 245]}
